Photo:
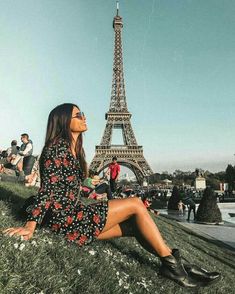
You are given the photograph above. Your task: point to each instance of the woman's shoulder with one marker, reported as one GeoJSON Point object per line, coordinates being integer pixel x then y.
{"type": "Point", "coordinates": [56, 148]}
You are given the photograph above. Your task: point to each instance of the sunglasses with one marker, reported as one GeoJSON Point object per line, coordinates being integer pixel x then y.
{"type": "Point", "coordinates": [79, 115]}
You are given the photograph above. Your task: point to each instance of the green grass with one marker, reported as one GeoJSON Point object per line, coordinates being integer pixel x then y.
{"type": "Point", "coordinates": [48, 264]}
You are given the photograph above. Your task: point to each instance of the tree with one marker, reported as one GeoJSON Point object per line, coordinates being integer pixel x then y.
{"type": "Point", "coordinates": [213, 182]}
{"type": "Point", "coordinates": [183, 177]}
{"type": "Point", "coordinates": [174, 199]}
{"type": "Point", "coordinates": [208, 210]}
{"type": "Point", "coordinates": [155, 178]}
{"type": "Point", "coordinates": [230, 177]}
{"type": "Point", "coordinates": [220, 176]}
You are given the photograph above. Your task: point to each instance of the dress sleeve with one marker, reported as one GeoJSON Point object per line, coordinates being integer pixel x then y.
{"type": "Point", "coordinates": [51, 175]}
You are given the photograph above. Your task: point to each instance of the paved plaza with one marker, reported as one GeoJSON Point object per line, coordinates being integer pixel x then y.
{"type": "Point", "coordinates": [224, 233]}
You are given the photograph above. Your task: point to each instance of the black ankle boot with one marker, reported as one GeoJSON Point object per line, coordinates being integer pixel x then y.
{"type": "Point", "coordinates": [197, 272]}
{"type": "Point", "coordinates": [174, 270]}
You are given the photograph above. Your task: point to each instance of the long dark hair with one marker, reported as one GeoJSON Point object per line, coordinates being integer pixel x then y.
{"type": "Point", "coordinates": [58, 127]}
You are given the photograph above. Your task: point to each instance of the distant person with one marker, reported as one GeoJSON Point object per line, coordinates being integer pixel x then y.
{"type": "Point", "coordinates": [10, 153]}
{"type": "Point", "coordinates": [148, 204]}
{"type": "Point", "coordinates": [102, 187]}
{"type": "Point", "coordinates": [13, 150]}
{"type": "Point", "coordinates": [97, 185]}
{"type": "Point", "coordinates": [2, 161]}
{"type": "Point", "coordinates": [181, 207]}
{"type": "Point", "coordinates": [113, 172]}
{"type": "Point", "coordinates": [26, 150]}
{"type": "Point", "coordinates": [32, 178]}
{"type": "Point", "coordinates": [128, 191]}
{"type": "Point", "coordinates": [191, 207]}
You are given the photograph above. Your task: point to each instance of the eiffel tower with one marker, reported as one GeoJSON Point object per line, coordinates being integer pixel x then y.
{"type": "Point", "coordinates": [130, 154]}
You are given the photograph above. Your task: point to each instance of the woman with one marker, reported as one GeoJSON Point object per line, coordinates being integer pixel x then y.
{"type": "Point", "coordinates": [62, 167]}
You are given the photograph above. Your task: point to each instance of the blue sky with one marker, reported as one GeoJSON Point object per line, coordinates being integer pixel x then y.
{"type": "Point", "coordinates": [179, 63]}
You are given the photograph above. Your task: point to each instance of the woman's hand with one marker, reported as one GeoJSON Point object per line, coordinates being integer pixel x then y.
{"type": "Point", "coordinates": [26, 232]}
{"type": "Point", "coordinates": [20, 231]}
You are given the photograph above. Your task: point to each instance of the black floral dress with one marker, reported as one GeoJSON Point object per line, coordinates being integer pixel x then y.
{"type": "Point", "coordinates": [60, 181]}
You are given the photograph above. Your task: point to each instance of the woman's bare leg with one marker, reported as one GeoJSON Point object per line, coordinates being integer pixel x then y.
{"type": "Point", "coordinates": [114, 232]}
{"type": "Point", "coordinates": [121, 210]}
{"type": "Point", "coordinates": [128, 228]}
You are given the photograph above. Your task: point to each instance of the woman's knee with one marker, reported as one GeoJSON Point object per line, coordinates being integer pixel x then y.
{"type": "Point", "coordinates": [138, 204]}
{"type": "Point", "coordinates": [132, 205]}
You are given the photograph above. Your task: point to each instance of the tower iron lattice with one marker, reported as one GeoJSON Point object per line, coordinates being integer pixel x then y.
{"type": "Point", "coordinates": [130, 154]}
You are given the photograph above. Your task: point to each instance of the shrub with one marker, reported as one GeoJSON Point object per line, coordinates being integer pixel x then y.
{"type": "Point", "coordinates": [208, 210]}
{"type": "Point", "coordinates": [174, 199]}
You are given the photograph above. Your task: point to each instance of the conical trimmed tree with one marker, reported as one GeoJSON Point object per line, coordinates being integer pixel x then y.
{"type": "Point", "coordinates": [174, 199]}
{"type": "Point", "coordinates": [208, 210]}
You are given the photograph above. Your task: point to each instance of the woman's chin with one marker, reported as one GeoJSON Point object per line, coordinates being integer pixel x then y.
{"type": "Point", "coordinates": [85, 128]}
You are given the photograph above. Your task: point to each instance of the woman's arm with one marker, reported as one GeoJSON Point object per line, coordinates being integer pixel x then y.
{"type": "Point", "coordinates": [50, 177]}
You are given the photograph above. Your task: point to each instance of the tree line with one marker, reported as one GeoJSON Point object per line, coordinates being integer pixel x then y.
{"type": "Point", "coordinates": [179, 177]}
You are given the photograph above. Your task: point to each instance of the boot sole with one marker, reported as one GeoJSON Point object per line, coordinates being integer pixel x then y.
{"type": "Point", "coordinates": [180, 283]}
{"type": "Point", "coordinates": [206, 283]}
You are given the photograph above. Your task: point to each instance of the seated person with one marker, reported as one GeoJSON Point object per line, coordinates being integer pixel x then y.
{"type": "Point", "coordinates": [32, 178]}
{"type": "Point", "coordinates": [96, 186]}
{"type": "Point", "coordinates": [3, 156]}
{"type": "Point", "coordinates": [128, 192]}
{"type": "Point", "coordinates": [102, 187]}
{"type": "Point", "coordinates": [9, 154]}
{"type": "Point", "coordinates": [148, 204]}
{"type": "Point", "coordinates": [88, 182]}
{"type": "Point", "coordinates": [9, 175]}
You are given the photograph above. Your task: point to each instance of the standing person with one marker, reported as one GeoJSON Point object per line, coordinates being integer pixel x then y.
{"type": "Point", "coordinates": [191, 207]}
{"type": "Point", "coordinates": [26, 150]}
{"type": "Point", "coordinates": [62, 166]}
{"type": "Point", "coordinates": [113, 172]}
{"type": "Point", "coordinates": [181, 207]}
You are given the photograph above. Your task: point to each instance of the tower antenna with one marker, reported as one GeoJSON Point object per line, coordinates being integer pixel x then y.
{"type": "Point", "coordinates": [117, 2]}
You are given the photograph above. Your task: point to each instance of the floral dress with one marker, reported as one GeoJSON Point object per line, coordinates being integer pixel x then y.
{"type": "Point", "coordinates": [60, 182]}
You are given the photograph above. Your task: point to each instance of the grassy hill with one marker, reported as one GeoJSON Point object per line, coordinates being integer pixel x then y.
{"type": "Point", "coordinates": [48, 264]}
